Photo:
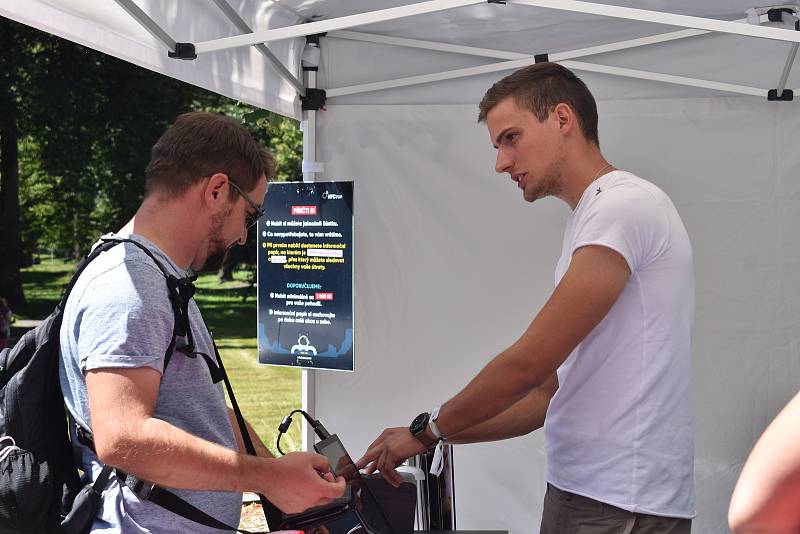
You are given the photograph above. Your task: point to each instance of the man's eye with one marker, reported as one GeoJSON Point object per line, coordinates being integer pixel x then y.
{"type": "Point", "coordinates": [509, 139]}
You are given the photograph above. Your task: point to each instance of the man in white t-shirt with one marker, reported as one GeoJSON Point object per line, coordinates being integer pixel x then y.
{"type": "Point", "coordinates": [605, 366]}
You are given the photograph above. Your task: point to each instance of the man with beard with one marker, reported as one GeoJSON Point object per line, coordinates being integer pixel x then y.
{"type": "Point", "coordinates": [605, 365]}
{"type": "Point", "coordinates": [170, 425]}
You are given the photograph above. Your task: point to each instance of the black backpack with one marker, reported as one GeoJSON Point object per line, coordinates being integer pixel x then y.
{"type": "Point", "coordinates": [40, 488]}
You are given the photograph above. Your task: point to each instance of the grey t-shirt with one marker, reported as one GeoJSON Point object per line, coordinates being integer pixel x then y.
{"type": "Point", "coordinates": [119, 316]}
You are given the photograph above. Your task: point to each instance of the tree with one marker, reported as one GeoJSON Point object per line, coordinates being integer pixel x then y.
{"type": "Point", "coordinates": [16, 50]}
{"type": "Point", "coordinates": [76, 128]}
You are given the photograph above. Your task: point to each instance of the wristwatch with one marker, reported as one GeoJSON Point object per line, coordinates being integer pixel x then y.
{"type": "Point", "coordinates": [417, 429]}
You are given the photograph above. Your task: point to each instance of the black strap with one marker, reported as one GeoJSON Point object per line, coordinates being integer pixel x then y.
{"type": "Point", "coordinates": [99, 249]}
{"type": "Point", "coordinates": [102, 479]}
{"type": "Point", "coordinates": [181, 291]}
{"type": "Point", "coordinates": [272, 514]}
{"type": "Point", "coordinates": [168, 500]}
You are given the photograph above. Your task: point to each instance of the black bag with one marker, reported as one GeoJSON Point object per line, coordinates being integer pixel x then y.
{"type": "Point", "coordinates": [39, 478]}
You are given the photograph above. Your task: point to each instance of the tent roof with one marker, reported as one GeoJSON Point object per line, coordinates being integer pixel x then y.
{"type": "Point", "coordinates": [488, 34]}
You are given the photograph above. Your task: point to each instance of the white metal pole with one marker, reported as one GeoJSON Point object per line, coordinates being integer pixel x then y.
{"type": "Point", "coordinates": [576, 65]}
{"type": "Point", "coordinates": [787, 68]}
{"type": "Point", "coordinates": [309, 126]}
{"type": "Point", "coordinates": [339, 23]}
{"type": "Point", "coordinates": [670, 19]}
{"type": "Point", "coordinates": [147, 23]}
{"type": "Point", "coordinates": [240, 23]}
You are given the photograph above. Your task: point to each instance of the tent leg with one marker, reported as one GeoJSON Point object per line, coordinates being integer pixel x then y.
{"type": "Point", "coordinates": [309, 127]}
{"type": "Point", "coordinates": [787, 68]}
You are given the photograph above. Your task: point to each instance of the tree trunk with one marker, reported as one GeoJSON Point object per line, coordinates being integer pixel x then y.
{"type": "Point", "coordinates": [10, 241]}
{"type": "Point", "coordinates": [230, 262]}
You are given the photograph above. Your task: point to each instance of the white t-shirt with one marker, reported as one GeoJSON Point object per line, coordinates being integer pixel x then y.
{"type": "Point", "coordinates": [619, 428]}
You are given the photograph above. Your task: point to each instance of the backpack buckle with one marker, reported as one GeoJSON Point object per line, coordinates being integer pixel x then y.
{"type": "Point", "coordinates": [142, 488]}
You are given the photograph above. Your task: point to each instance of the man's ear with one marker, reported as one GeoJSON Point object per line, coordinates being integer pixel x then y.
{"type": "Point", "coordinates": [216, 190]}
{"type": "Point", "coordinates": [565, 117]}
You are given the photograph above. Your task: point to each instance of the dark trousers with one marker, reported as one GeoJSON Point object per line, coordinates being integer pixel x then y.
{"type": "Point", "coordinates": [567, 513]}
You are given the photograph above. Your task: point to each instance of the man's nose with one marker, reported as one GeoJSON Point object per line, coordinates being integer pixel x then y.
{"type": "Point", "coordinates": [504, 161]}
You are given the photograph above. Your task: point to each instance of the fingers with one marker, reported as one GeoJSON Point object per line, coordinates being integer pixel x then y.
{"type": "Point", "coordinates": [319, 462]}
{"type": "Point", "coordinates": [337, 487]}
{"type": "Point", "coordinates": [387, 465]}
{"type": "Point", "coordinates": [372, 453]}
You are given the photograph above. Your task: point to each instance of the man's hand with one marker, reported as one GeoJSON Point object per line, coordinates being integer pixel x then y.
{"type": "Point", "coordinates": [391, 449]}
{"type": "Point", "coordinates": [301, 480]}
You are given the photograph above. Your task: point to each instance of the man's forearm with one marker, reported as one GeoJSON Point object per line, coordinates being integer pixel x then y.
{"type": "Point", "coordinates": [522, 418]}
{"type": "Point", "coordinates": [504, 381]}
{"type": "Point", "coordinates": [168, 456]}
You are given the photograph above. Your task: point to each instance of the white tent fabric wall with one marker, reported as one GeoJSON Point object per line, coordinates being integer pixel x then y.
{"type": "Point", "coordinates": [451, 265]}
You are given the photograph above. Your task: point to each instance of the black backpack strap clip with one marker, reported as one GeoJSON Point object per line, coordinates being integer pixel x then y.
{"type": "Point", "coordinates": [181, 291]}
{"type": "Point", "coordinates": [142, 488]}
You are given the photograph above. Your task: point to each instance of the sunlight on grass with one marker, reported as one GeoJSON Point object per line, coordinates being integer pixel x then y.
{"type": "Point", "coordinates": [265, 393]}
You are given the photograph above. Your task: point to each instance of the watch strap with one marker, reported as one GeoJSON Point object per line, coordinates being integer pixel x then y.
{"type": "Point", "coordinates": [432, 423]}
{"type": "Point", "coordinates": [426, 440]}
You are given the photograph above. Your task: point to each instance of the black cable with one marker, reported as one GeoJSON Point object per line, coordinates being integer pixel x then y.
{"type": "Point", "coordinates": [319, 429]}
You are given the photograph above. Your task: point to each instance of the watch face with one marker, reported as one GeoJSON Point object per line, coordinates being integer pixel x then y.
{"type": "Point", "coordinates": [419, 423]}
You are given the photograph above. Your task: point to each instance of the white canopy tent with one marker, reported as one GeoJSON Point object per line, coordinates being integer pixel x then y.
{"type": "Point", "coordinates": [451, 264]}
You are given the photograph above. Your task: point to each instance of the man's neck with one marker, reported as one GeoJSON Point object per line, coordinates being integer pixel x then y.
{"type": "Point", "coordinates": [166, 225]}
{"type": "Point", "coordinates": [584, 168]}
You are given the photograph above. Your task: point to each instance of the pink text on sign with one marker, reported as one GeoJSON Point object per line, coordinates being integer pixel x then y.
{"type": "Point", "coordinates": [304, 210]}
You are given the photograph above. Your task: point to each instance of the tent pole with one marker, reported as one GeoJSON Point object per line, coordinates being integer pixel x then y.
{"type": "Point", "coordinates": [502, 54]}
{"type": "Point", "coordinates": [519, 63]}
{"type": "Point", "coordinates": [309, 127]}
{"type": "Point", "coordinates": [787, 68]}
{"type": "Point", "coordinates": [670, 19]}
{"type": "Point", "coordinates": [147, 23]}
{"type": "Point", "coordinates": [239, 22]}
{"type": "Point", "coordinates": [324, 26]}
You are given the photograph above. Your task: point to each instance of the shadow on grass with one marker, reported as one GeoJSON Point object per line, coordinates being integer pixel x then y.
{"type": "Point", "coordinates": [44, 285]}
{"type": "Point", "coordinates": [52, 278]}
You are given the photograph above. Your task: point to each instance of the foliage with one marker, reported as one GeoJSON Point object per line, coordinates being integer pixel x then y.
{"type": "Point", "coordinates": [280, 134]}
{"type": "Point", "coordinates": [87, 122]}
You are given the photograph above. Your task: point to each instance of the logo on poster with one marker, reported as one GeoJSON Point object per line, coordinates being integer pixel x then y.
{"type": "Point", "coordinates": [331, 196]}
{"type": "Point", "coordinates": [304, 210]}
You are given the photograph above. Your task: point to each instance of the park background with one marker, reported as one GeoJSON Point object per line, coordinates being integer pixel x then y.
{"type": "Point", "coordinates": [76, 128]}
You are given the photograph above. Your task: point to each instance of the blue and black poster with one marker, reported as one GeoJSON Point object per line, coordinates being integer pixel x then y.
{"type": "Point", "coordinates": [305, 275]}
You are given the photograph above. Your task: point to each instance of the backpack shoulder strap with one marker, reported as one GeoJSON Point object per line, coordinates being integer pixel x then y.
{"type": "Point", "coordinates": [99, 249]}
{"type": "Point", "coordinates": [181, 291]}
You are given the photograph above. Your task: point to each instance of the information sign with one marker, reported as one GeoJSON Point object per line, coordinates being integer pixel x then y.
{"type": "Point", "coordinates": [305, 275]}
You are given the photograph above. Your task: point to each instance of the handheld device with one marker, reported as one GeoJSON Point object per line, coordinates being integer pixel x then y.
{"type": "Point", "coordinates": [367, 507]}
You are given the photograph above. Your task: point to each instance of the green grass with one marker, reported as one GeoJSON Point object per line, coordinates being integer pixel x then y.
{"type": "Point", "coordinates": [265, 393]}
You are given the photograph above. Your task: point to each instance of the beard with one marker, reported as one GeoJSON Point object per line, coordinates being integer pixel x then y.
{"type": "Point", "coordinates": [552, 180]}
{"type": "Point", "coordinates": [217, 248]}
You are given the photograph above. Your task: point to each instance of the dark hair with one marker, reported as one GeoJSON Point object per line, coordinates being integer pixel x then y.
{"type": "Point", "coordinates": [198, 145]}
{"type": "Point", "coordinates": [540, 88]}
